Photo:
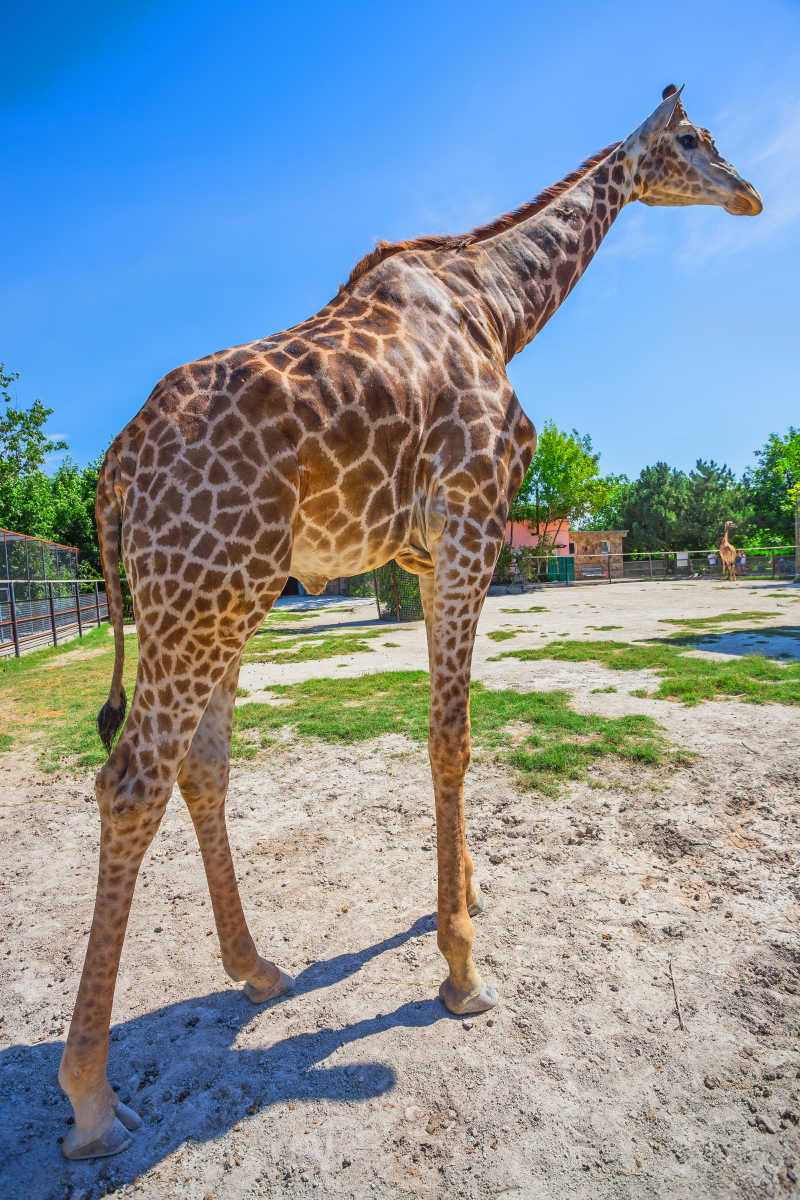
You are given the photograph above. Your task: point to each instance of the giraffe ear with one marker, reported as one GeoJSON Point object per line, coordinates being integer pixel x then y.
{"type": "Point", "coordinates": [660, 117]}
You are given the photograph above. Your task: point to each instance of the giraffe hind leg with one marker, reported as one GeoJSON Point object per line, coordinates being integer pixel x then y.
{"type": "Point", "coordinates": [132, 788]}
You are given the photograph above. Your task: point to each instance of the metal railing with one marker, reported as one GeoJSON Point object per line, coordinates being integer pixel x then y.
{"type": "Point", "coordinates": [42, 612]}
{"type": "Point", "coordinates": [776, 563]}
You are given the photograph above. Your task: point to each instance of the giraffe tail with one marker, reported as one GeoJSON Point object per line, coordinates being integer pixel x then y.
{"type": "Point", "coordinates": [108, 513]}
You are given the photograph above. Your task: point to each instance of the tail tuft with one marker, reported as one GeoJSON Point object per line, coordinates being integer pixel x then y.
{"type": "Point", "coordinates": [109, 720]}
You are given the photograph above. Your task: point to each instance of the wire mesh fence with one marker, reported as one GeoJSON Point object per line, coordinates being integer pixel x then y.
{"type": "Point", "coordinates": [396, 592]}
{"type": "Point", "coordinates": [42, 599]}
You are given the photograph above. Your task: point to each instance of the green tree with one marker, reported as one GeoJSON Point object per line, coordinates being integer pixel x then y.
{"type": "Point", "coordinates": [713, 496]}
{"type": "Point", "coordinates": [24, 445]}
{"type": "Point", "coordinates": [771, 487]}
{"type": "Point", "coordinates": [611, 512]}
{"type": "Point", "coordinates": [73, 493]}
{"type": "Point", "coordinates": [562, 484]}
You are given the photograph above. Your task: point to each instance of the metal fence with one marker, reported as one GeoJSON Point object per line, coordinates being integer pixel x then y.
{"type": "Point", "coordinates": [768, 563]}
{"type": "Point", "coordinates": [44, 612]}
{"type": "Point", "coordinates": [42, 599]}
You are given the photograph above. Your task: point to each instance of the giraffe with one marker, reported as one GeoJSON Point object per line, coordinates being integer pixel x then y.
{"type": "Point", "coordinates": [727, 553]}
{"type": "Point", "coordinates": [382, 427]}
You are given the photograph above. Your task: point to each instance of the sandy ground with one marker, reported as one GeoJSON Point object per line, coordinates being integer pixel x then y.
{"type": "Point", "coordinates": [581, 1084]}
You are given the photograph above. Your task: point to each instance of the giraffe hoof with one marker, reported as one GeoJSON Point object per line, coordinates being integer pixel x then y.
{"type": "Point", "coordinates": [114, 1138]}
{"type": "Point", "coordinates": [259, 995]}
{"type": "Point", "coordinates": [463, 1003]}
{"type": "Point", "coordinates": [478, 904]}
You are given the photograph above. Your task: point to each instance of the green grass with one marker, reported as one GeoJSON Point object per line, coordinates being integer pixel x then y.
{"type": "Point", "coordinates": [284, 646]}
{"type": "Point", "coordinates": [603, 628]}
{"type": "Point", "coordinates": [51, 698]}
{"type": "Point", "coordinates": [533, 608]}
{"type": "Point", "coordinates": [600, 691]}
{"type": "Point", "coordinates": [719, 619]}
{"type": "Point", "coordinates": [752, 677]}
{"type": "Point", "coordinates": [241, 693]}
{"type": "Point", "coordinates": [392, 645]}
{"type": "Point", "coordinates": [502, 635]}
{"type": "Point", "coordinates": [537, 733]}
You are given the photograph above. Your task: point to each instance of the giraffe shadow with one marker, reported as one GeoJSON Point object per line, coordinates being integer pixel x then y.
{"type": "Point", "coordinates": [192, 1070]}
{"type": "Point", "coordinates": [770, 641]}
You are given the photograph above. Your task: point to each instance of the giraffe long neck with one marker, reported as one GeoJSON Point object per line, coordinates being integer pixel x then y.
{"type": "Point", "coordinates": [525, 272]}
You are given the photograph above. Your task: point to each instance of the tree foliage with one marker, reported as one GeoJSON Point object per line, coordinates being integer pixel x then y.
{"type": "Point", "coordinates": [561, 485]}
{"type": "Point", "coordinates": [666, 508]}
{"type": "Point", "coordinates": [772, 484]}
{"type": "Point", "coordinates": [24, 445]}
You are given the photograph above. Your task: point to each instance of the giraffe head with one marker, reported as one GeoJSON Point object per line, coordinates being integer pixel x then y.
{"type": "Point", "coordinates": [676, 162]}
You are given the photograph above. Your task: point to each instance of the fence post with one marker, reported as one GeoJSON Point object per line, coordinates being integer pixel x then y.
{"type": "Point", "coordinates": [608, 567]}
{"type": "Point", "coordinates": [78, 609]}
{"type": "Point", "coordinates": [97, 602]}
{"type": "Point", "coordinates": [773, 564]}
{"type": "Point", "coordinates": [52, 614]}
{"type": "Point", "coordinates": [377, 597]}
{"type": "Point", "coordinates": [13, 607]}
{"type": "Point", "coordinates": [396, 593]}
{"type": "Point", "coordinates": [650, 561]}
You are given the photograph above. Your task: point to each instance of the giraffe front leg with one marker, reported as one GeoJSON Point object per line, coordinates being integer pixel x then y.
{"type": "Point", "coordinates": [476, 902]}
{"type": "Point", "coordinates": [454, 612]}
{"type": "Point", "coordinates": [203, 781]}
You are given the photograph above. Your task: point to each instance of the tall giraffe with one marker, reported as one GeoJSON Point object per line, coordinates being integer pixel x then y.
{"type": "Point", "coordinates": [727, 553]}
{"type": "Point", "coordinates": [383, 427]}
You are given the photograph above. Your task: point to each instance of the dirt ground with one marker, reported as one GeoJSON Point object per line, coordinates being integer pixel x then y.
{"type": "Point", "coordinates": [581, 1084]}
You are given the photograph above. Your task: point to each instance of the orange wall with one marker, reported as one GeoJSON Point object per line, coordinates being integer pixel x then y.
{"type": "Point", "coordinates": [523, 537]}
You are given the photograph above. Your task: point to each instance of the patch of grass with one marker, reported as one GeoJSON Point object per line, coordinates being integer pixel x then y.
{"type": "Point", "coordinates": [640, 693]}
{"type": "Point", "coordinates": [600, 691]}
{"type": "Point", "coordinates": [51, 697]}
{"type": "Point", "coordinates": [502, 635]}
{"type": "Point", "coordinates": [242, 692]}
{"type": "Point", "coordinates": [719, 619]}
{"type": "Point", "coordinates": [279, 646]}
{"type": "Point", "coordinates": [279, 616]}
{"type": "Point", "coordinates": [557, 743]}
{"type": "Point", "coordinates": [603, 628]}
{"type": "Point", "coordinates": [6, 742]}
{"type": "Point", "coordinates": [392, 645]}
{"type": "Point", "coordinates": [533, 608]}
{"type": "Point", "coordinates": [752, 677]}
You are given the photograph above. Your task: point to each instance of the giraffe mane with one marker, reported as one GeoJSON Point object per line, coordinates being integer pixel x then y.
{"type": "Point", "coordinates": [458, 241]}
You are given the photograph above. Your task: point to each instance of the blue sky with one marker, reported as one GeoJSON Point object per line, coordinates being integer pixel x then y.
{"type": "Point", "coordinates": [184, 177]}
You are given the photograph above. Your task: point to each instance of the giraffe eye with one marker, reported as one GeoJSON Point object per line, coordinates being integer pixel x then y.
{"type": "Point", "coordinates": [688, 141]}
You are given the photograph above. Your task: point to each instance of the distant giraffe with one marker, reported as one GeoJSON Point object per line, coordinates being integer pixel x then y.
{"type": "Point", "coordinates": [382, 427]}
{"type": "Point", "coordinates": [727, 553]}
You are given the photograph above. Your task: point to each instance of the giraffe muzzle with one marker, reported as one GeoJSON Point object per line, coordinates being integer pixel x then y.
{"type": "Point", "coordinates": [745, 202]}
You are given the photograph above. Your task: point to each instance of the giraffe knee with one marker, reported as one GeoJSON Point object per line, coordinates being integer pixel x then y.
{"type": "Point", "coordinates": [449, 754]}
{"type": "Point", "coordinates": [204, 774]}
{"type": "Point", "coordinates": [125, 786]}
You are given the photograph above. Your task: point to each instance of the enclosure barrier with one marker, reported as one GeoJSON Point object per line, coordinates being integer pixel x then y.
{"type": "Point", "coordinates": [42, 612]}
{"type": "Point", "coordinates": [767, 562]}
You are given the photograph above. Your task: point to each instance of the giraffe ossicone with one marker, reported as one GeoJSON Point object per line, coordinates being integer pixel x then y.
{"type": "Point", "coordinates": [382, 427]}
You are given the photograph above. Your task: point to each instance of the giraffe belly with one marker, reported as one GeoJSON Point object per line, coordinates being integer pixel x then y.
{"type": "Point", "coordinates": [344, 546]}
